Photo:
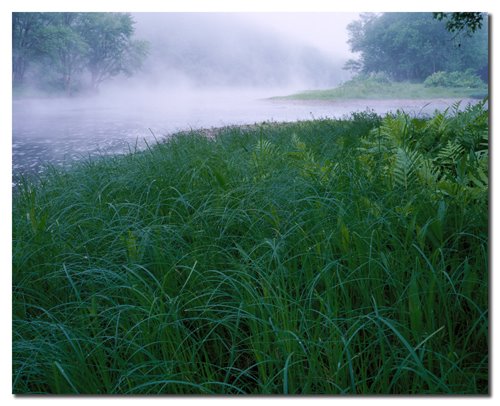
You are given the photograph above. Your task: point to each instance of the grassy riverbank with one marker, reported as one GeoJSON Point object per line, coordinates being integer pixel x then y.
{"type": "Point", "coordinates": [319, 257]}
{"type": "Point", "coordinates": [375, 89]}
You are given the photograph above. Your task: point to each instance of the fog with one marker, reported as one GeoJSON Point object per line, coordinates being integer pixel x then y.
{"type": "Point", "coordinates": [234, 49]}
{"type": "Point", "coordinates": [203, 70]}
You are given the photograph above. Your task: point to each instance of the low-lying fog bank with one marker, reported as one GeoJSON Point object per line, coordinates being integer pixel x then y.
{"type": "Point", "coordinates": [61, 130]}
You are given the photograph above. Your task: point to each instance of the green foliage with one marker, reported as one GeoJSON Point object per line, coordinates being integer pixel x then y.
{"type": "Point", "coordinates": [454, 79]}
{"type": "Point", "coordinates": [64, 45]}
{"type": "Point", "coordinates": [27, 42]}
{"type": "Point", "coordinates": [471, 22]}
{"type": "Point", "coordinates": [412, 46]}
{"type": "Point", "coordinates": [320, 257]}
{"type": "Point", "coordinates": [112, 50]}
{"type": "Point", "coordinates": [447, 148]}
{"type": "Point", "coordinates": [353, 66]}
{"type": "Point", "coordinates": [65, 49]}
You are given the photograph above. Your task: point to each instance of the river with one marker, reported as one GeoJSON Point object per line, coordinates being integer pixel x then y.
{"type": "Point", "coordinates": [62, 131]}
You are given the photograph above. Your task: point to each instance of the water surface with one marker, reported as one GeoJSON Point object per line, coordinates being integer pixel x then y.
{"type": "Point", "coordinates": [61, 131]}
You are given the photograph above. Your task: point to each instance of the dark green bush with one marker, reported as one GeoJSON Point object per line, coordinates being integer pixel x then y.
{"type": "Point", "coordinates": [454, 79]}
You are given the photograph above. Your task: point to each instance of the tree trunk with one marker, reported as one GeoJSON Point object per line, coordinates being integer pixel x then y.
{"type": "Point", "coordinates": [18, 70]}
{"type": "Point", "coordinates": [67, 84]}
{"type": "Point", "coordinates": [94, 81]}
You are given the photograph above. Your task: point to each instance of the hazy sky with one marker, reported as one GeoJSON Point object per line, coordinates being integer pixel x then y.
{"type": "Point", "coordinates": [326, 31]}
{"type": "Point", "coordinates": [271, 49]}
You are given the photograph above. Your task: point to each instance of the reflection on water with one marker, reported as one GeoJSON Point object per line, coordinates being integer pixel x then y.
{"type": "Point", "coordinates": [59, 132]}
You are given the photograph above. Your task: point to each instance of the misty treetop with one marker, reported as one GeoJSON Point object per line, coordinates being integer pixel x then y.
{"type": "Point", "coordinates": [73, 51]}
{"type": "Point", "coordinates": [412, 46]}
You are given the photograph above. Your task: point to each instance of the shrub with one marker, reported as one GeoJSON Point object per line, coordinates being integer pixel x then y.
{"type": "Point", "coordinates": [454, 79]}
{"type": "Point", "coordinates": [375, 77]}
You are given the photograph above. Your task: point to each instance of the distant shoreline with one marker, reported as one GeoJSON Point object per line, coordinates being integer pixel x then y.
{"type": "Point", "coordinates": [402, 100]}
{"type": "Point", "coordinates": [370, 89]}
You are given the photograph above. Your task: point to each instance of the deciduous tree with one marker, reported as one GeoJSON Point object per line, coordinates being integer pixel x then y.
{"type": "Point", "coordinates": [412, 46]}
{"type": "Point", "coordinates": [111, 48]}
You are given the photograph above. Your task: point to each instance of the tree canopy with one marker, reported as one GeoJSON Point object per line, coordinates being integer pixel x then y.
{"type": "Point", "coordinates": [412, 46]}
{"type": "Point", "coordinates": [72, 48]}
{"type": "Point", "coordinates": [470, 22]}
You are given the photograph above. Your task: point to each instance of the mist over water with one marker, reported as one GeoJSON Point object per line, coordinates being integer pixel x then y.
{"type": "Point", "coordinates": [203, 71]}
{"type": "Point", "coordinates": [60, 131]}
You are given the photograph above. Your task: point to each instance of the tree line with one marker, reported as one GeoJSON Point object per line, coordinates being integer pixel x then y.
{"type": "Point", "coordinates": [73, 51]}
{"type": "Point", "coordinates": [413, 46]}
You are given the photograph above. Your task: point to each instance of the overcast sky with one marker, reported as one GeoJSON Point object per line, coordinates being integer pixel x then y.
{"type": "Point", "coordinates": [259, 47]}
{"type": "Point", "coordinates": [326, 31]}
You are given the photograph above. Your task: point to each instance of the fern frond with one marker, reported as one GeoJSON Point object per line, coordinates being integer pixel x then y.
{"type": "Point", "coordinates": [266, 147]}
{"type": "Point", "coordinates": [480, 179]}
{"type": "Point", "coordinates": [297, 143]}
{"type": "Point", "coordinates": [449, 154]}
{"type": "Point", "coordinates": [439, 124]}
{"type": "Point", "coordinates": [455, 107]}
{"type": "Point", "coordinates": [405, 167]}
{"type": "Point", "coordinates": [394, 129]}
{"type": "Point", "coordinates": [428, 173]}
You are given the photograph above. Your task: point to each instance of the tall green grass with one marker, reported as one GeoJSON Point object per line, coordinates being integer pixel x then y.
{"type": "Point", "coordinates": [319, 257]}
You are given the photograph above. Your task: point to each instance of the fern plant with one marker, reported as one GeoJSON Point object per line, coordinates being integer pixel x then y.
{"type": "Point", "coordinates": [449, 154]}
{"type": "Point", "coordinates": [305, 160]}
{"type": "Point", "coordinates": [264, 155]}
{"type": "Point", "coordinates": [405, 170]}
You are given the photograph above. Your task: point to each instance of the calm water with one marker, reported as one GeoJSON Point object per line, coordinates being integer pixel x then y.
{"type": "Point", "coordinates": [61, 131]}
